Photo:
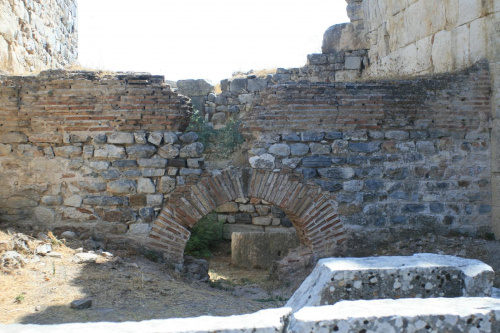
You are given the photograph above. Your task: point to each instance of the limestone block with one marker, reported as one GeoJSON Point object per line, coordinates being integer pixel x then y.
{"type": "Point", "coordinates": [192, 87]}
{"type": "Point", "coordinates": [280, 149]}
{"type": "Point", "coordinates": [353, 63]}
{"type": "Point", "coordinates": [435, 314]}
{"type": "Point", "coordinates": [259, 220]}
{"type": "Point", "coordinates": [167, 184]}
{"type": "Point", "coordinates": [154, 199]}
{"type": "Point", "coordinates": [45, 215]}
{"type": "Point", "coordinates": [152, 162]}
{"type": "Point", "coordinates": [229, 229]}
{"type": "Point", "coordinates": [168, 151]}
{"type": "Point", "coordinates": [68, 151]}
{"type": "Point", "coordinates": [442, 52]}
{"type": "Point", "coordinates": [156, 138]}
{"type": "Point", "coordinates": [13, 137]}
{"type": "Point", "coordinates": [260, 249]}
{"type": "Point", "coordinates": [5, 149]}
{"type": "Point", "coordinates": [245, 98]}
{"type": "Point", "coordinates": [246, 208]}
{"type": "Point", "coordinates": [110, 151]}
{"type": "Point", "coordinates": [52, 200]}
{"type": "Point", "coordinates": [123, 186]}
{"type": "Point", "coordinates": [99, 165]}
{"type": "Point", "coordinates": [121, 138]}
{"type": "Point", "coordinates": [20, 202]}
{"type": "Point", "coordinates": [319, 149]}
{"type": "Point", "coordinates": [343, 37]}
{"type": "Point", "coordinates": [140, 137]}
{"type": "Point", "coordinates": [189, 171]}
{"type": "Point", "coordinates": [311, 136]}
{"type": "Point", "coordinates": [460, 44]}
{"type": "Point", "coordinates": [170, 138]}
{"type": "Point", "coordinates": [46, 137]}
{"type": "Point", "coordinates": [230, 207]}
{"type": "Point", "coordinates": [146, 185]}
{"type": "Point", "coordinates": [264, 161]}
{"type": "Point", "coordinates": [139, 229]}
{"type": "Point", "coordinates": [291, 163]}
{"type": "Point", "coordinates": [192, 150]}
{"type": "Point", "coordinates": [73, 201]}
{"type": "Point", "coordinates": [140, 151]}
{"type": "Point", "coordinates": [478, 40]}
{"type": "Point", "coordinates": [469, 10]}
{"type": "Point", "coordinates": [421, 276]}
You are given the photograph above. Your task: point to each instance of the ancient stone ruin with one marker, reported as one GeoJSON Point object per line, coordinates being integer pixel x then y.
{"type": "Point", "coordinates": [392, 128]}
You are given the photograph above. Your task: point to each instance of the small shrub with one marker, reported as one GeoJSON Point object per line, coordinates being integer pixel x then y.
{"type": "Point", "coordinates": [153, 256]}
{"type": "Point", "coordinates": [205, 234]}
{"type": "Point", "coordinates": [223, 141]}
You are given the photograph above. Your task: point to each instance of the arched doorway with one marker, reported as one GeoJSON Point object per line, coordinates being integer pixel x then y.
{"type": "Point", "coordinates": [312, 211]}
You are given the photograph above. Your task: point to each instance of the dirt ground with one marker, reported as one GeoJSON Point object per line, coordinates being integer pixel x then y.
{"type": "Point", "coordinates": [129, 287]}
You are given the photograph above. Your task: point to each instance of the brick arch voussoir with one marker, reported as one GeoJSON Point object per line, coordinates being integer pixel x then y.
{"type": "Point", "coordinates": [311, 210]}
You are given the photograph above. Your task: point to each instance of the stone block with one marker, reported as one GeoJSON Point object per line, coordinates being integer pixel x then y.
{"type": "Point", "coordinates": [246, 208]}
{"type": "Point", "coordinates": [264, 161]}
{"type": "Point", "coordinates": [259, 220]}
{"type": "Point", "coordinates": [316, 161]}
{"type": "Point", "coordinates": [280, 149]}
{"type": "Point", "coordinates": [156, 138]}
{"type": "Point", "coordinates": [144, 185]}
{"type": "Point", "coordinates": [257, 85]}
{"type": "Point", "coordinates": [337, 173]}
{"type": "Point", "coordinates": [52, 200]}
{"type": "Point", "coordinates": [419, 276]}
{"type": "Point", "coordinates": [110, 151]}
{"type": "Point", "coordinates": [122, 186]}
{"type": "Point", "coordinates": [311, 136]}
{"type": "Point", "coordinates": [238, 85]}
{"type": "Point", "coordinates": [168, 151]}
{"type": "Point", "coordinates": [230, 207]}
{"type": "Point", "coordinates": [99, 165]}
{"type": "Point", "coordinates": [73, 201]}
{"type": "Point", "coordinates": [229, 229]}
{"type": "Point", "coordinates": [364, 147]}
{"type": "Point", "coordinates": [192, 87]}
{"type": "Point", "coordinates": [5, 149]}
{"type": "Point", "coordinates": [170, 138]}
{"type": "Point", "coordinates": [260, 249]}
{"type": "Point", "coordinates": [137, 200]}
{"type": "Point", "coordinates": [13, 137]}
{"type": "Point", "coordinates": [139, 229]}
{"type": "Point", "coordinates": [167, 184]}
{"type": "Point", "coordinates": [319, 149]}
{"type": "Point", "coordinates": [140, 137]}
{"type": "Point", "coordinates": [140, 151]}
{"type": "Point", "coordinates": [189, 137]}
{"type": "Point", "coordinates": [291, 163]}
{"type": "Point", "coordinates": [121, 138]}
{"type": "Point", "coordinates": [432, 314]}
{"type": "Point", "coordinates": [45, 215]}
{"type": "Point", "coordinates": [397, 135]}
{"type": "Point", "coordinates": [152, 162]}
{"type": "Point", "coordinates": [192, 150]}
{"type": "Point", "coordinates": [299, 149]}
{"type": "Point", "coordinates": [124, 164]}
{"type": "Point", "coordinates": [67, 151]}
{"type": "Point", "coordinates": [353, 63]}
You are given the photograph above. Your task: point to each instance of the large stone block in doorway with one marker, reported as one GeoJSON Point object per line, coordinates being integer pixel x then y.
{"type": "Point", "coordinates": [261, 249]}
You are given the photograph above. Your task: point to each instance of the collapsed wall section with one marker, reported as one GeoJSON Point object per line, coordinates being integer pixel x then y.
{"type": "Point", "coordinates": [36, 35]}
{"type": "Point", "coordinates": [400, 154]}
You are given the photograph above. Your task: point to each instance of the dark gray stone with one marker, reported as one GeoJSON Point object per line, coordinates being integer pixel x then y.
{"type": "Point", "coordinates": [189, 137]}
{"type": "Point", "coordinates": [177, 162]}
{"type": "Point", "coordinates": [398, 195]}
{"type": "Point", "coordinates": [330, 186]}
{"type": "Point", "coordinates": [147, 214]}
{"type": "Point", "coordinates": [399, 219]}
{"type": "Point", "coordinates": [436, 207]}
{"type": "Point", "coordinates": [124, 164]}
{"type": "Point", "coordinates": [277, 212]}
{"type": "Point", "coordinates": [140, 151]}
{"type": "Point", "coordinates": [100, 138]}
{"type": "Point", "coordinates": [238, 85]}
{"type": "Point", "coordinates": [81, 304]}
{"type": "Point", "coordinates": [132, 173]}
{"type": "Point", "coordinates": [357, 160]}
{"type": "Point", "coordinates": [339, 160]}
{"type": "Point", "coordinates": [364, 147]}
{"type": "Point", "coordinates": [333, 135]}
{"type": "Point", "coordinates": [286, 222]}
{"type": "Point", "coordinates": [291, 137]}
{"type": "Point", "coordinates": [243, 218]}
{"type": "Point", "coordinates": [311, 136]}
{"type": "Point", "coordinates": [433, 134]}
{"type": "Point", "coordinates": [484, 209]}
{"type": "Point", "coordinates": [110, 174]}
{"type": "Point", "coordinates": [103, 201]}
{"type": "Point", "coordinates": [374, 184]}
{"type": "Point", "coordinates": [192, 150]}
{"type": "Point", "coordinates": [316, 161]}
{"type": "Point", "coordinates": [309, 173]}
{"type": "Point", "coordinates": [419, 135]}
{"type": "Point", "coordinates": [397, 135]}
{"type": "Point", "coordinates": [299, 149]}
{"type": "Point", "coordinates": [413, 208]}
{"type": "Point", "coordinates": [257, 84]}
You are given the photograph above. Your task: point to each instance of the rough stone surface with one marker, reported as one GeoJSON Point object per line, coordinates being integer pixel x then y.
{"type": "Point", "coordinates": [264, 161]}
{"type": "Point", "coordinates": [260, 249]}
{"type": "Point", "coordinates": [421, 276]}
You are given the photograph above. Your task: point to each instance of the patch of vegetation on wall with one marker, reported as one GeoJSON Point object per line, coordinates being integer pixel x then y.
{"type": "Point", "coordinates": [219, 143]}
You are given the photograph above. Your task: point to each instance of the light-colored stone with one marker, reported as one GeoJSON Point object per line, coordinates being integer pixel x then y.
{"type": "Point", "coordinates": [121, 138]}
{"type": "Point", "coordinates": [146, 185]}
{"type": "Point", "coordinates": [229, 207]}
{"type": "Point", "coordinates": [264, 161]}
{"type": "Point", "coordinates": [73, 201]}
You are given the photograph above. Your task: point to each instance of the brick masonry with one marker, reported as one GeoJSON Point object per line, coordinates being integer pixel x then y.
{"type": "Point", "coordinates": [312, 212]}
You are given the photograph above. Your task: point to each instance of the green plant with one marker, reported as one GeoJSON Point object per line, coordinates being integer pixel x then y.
{"type": "Point", "coordinates": [220, 143]}
{"type": "Point", "coordinates": [153, 256]}
{"type": "Point", "coordinates": [19, 298]}
{"type": "Point", "coordinates": [205, 233]}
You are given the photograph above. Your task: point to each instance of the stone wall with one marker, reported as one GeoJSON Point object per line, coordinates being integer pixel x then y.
{"type": "Point", "coordinates": [92, 150]}
{"type": "Point", "coordinates": [36, 35]}
{"type": "Point", "coordinates": [403, 154]}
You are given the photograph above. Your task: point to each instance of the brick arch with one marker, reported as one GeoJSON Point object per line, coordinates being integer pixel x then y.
{"type": "Point", "coordinates": [311, 210]}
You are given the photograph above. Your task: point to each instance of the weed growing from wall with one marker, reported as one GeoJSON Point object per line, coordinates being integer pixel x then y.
{"type": "Point", "coordinates": [219, 143]}
{"type": "Point", "coordinates": [205, 234]}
